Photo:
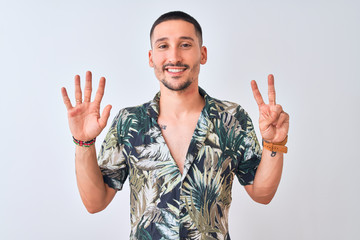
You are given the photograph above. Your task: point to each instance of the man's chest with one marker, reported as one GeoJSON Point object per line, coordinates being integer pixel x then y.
{"type": "Point", "coordinates": [177, 136]}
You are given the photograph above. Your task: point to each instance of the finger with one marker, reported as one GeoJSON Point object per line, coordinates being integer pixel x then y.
{"type": "Point", "coordinates": [105, 116]}
{"type": "Point", "coordinates": [277, 109]}
{"type": "Point", "coordinates": [257, 95]}
{"type": "Point", "coordinates": [78, 93]}
{"type": "Point", "coordinates": [100, 91]}
{"type": "Point", "coordinates": [88, 87]}
{"type": "Point", "coordinates": [66, 99]}
{"type": "Point", "coordinates": [283, 118]}
{"type": "Point", "coordinates": [271, 90]}
{"type": "Point", "coordinates": [275, 112]}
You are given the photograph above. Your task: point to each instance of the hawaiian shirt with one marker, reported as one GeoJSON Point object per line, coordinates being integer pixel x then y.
{"type": "Point", "coordinates": [165, 204]}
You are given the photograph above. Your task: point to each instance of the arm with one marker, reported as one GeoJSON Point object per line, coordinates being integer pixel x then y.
{"type": "Point", "coordinates": [85, 124]}
{"type": "Point", "coordinates": [274, 127]}
{"type": "Point", "coordinates": [95, 194]}
{"type": "Point", "coordinates": [267, 178]}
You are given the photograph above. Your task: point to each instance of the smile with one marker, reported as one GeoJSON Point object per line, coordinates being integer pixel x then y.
{"type": "Point", "coordinates": [176, 70]}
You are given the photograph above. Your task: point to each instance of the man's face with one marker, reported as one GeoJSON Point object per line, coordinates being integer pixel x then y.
{"type": "Point", "coordinates": [176, 54]}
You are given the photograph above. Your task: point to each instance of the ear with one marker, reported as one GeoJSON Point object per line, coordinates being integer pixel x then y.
{"type": "Point", "coordinates": [203, 59]}
{"type": "Point", "coordinates": [151, 63]}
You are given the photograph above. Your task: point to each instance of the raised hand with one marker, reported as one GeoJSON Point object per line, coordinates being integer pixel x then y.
{"type": "Point", "coordinates": [84, 118]}
{"type": "Point", "coordinates": [273, 121]}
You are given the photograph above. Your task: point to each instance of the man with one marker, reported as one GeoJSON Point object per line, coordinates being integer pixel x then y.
{"type": "Point", "coordinates": [181, 150]}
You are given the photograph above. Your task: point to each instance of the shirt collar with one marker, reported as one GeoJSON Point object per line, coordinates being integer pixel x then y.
{"type": "Point", "coordinates": [210, 106]}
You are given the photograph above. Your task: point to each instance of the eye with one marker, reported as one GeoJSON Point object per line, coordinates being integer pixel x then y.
{"type": "Point", "coordinates": [162, 46]}
{"type": "Point", "coordinates": [186, 45]}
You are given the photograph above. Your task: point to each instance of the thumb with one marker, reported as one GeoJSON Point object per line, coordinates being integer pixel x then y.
{"type": "Point", "coordinates": [105, 116]}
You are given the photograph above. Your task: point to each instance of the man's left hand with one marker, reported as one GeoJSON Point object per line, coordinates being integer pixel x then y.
{"type": "Point", "coordinates": [273, 121]}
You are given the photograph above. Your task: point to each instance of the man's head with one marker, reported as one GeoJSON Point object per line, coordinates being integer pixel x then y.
{"type": "Point", "coordinates": [178, 15]}
{"type": "Point", "coordinates": [176, 51]}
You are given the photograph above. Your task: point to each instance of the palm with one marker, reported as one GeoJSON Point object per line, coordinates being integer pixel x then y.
{"type": "Point", "coordinates": [84, 119]}
{"type": "Point", "coordinates": [273, 121]}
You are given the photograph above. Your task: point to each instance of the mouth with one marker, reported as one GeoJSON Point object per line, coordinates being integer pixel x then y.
{"type": "Point", "coordinates": [177, 69]}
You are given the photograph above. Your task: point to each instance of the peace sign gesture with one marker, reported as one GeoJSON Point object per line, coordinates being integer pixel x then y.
{"type": "Point", "coordinates": [273, 121]}
{"type": "Point", "coordinates": [84, 118]}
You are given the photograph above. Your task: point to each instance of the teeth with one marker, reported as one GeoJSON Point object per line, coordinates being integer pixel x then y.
{"type": "Point", "coordinates": [175, 70]}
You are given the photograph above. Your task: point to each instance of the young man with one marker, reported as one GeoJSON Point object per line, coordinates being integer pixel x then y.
{"type": "Point", "coordinates": [181, 150]}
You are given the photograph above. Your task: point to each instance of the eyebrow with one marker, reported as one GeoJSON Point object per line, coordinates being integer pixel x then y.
{"type": "Point", "coordinates": [166, 38]}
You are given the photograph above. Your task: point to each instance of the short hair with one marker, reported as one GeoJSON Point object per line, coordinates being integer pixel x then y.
{"type": "Point", "coordinates": [178, 15]}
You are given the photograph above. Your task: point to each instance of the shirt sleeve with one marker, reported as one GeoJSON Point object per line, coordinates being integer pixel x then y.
{"type": "Point", "coordinates": [111, 159]}
{"type": "Point", "coordinates": [251, 153]}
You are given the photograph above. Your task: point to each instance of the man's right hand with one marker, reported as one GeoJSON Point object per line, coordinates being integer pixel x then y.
{"type": "Point", "coordinates": [84, 119]}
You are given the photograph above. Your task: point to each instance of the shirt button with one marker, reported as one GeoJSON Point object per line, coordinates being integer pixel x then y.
{"type": "Point", "coordinates": [182, 211]}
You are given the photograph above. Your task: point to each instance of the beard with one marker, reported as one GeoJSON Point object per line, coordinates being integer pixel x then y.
{"type": "Point", "coordinates": [177, 86]}
{"type": "Point", "coordinates": [174, 87]}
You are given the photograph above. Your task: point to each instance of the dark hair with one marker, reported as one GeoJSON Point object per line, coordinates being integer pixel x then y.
{"type": "Point", "coordinates": [178, 15]}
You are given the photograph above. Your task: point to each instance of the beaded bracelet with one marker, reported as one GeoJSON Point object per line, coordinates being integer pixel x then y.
{"type": "Point", "coordinates": [84, 144]}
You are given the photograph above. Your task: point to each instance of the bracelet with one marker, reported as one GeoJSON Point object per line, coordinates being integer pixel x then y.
{"type": "Point", "coordinates": [84, 144]}
{"type": "Point", "coordinates": [276, 147]}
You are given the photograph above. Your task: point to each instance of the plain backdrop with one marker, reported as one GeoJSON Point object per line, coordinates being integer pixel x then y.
{"type": "Point", "coordinates": [311, 47]}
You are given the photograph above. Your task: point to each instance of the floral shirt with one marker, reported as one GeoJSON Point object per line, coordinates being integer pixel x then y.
{"type": "Point", "coordinates": [166, 204]}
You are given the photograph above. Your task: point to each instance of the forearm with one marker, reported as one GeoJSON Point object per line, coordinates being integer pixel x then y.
{"type": "Point", "coordinates": [93, 190]}
{"type": "Point", "coordinates": [267, 177]}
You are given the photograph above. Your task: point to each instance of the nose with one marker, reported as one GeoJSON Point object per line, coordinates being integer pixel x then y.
{"type": "Point", "coordinates": [174, 55]}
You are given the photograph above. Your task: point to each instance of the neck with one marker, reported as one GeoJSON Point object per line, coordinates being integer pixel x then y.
{"type": "Point", "coordinates": [179, 104]}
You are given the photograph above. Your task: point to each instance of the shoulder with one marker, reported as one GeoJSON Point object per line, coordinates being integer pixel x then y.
{"type": "Point", "coordinates": [133, 111]}
{"type": "Point", "coordinates": [132, 118]}
{"type": "Point", "coordinates": [228, 109]}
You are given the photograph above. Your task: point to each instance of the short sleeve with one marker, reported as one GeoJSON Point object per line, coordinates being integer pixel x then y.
{"type": "Point", "coordinates": [251, 154]}
{"type": "Point", "coordinates": [111, 158]}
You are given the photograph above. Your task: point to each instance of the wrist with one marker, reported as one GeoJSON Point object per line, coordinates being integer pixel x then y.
{"type": "Point", "coordinates": [84, 143]}
{"type": "Point", "coordinates": [276, 146]}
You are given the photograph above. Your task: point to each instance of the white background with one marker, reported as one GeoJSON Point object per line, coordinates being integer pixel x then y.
{"type": "Point", "coordinates": [312, 48]}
